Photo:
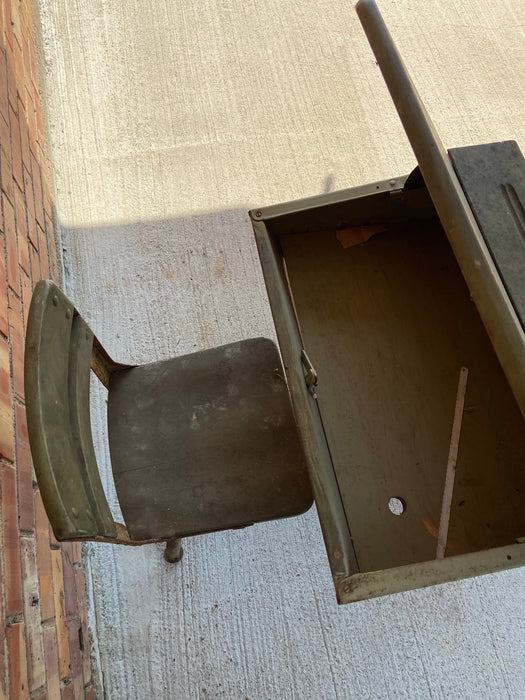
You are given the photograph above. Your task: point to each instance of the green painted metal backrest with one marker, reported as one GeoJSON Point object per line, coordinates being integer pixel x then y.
{"type": "Point", "coordinates": [59, 346]}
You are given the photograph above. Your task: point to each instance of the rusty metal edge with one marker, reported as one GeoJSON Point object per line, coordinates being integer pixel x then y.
{"type": "Point", "coordinates": [373, 584]}
{"type": "Point", "coordinates": [320, 200]}
{"type": "Point", "coordinates": [332, 517]}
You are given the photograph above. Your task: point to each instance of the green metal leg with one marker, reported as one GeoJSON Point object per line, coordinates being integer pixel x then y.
{"type": "Point", "coordinates": [174, 551]}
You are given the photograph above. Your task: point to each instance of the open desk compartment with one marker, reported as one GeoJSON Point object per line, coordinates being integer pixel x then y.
{"type": "Point", "coordinates": [388, 323]}
{"type": "Point", "coordinates": [407, 299]}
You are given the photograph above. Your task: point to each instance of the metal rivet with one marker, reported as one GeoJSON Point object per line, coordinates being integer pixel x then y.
{"type": "Point", "coordinates": [392, 183]}
{"type": "Point", "coordinates": [55, 300]}
{"type": "Point", "coordinates": [258, 213]}
{"type": "Point", "coordinates": [68, 313]}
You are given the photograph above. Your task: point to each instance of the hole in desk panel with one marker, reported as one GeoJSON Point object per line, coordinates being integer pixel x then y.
{"type": "Point", "coordinates": [397, 506]}
{"type": "Point", "coordinates": [388, 324]}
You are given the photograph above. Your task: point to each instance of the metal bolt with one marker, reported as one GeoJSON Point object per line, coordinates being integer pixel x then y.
{"type": "Point", "coordinates": [173, 552]}
{"type": "Point", "coordinates": [55, 300]}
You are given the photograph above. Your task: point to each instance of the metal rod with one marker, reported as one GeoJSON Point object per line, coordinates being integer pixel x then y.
{"type": "Point", "coordinates": [174, 551]}
{"type": "Point", "coordinates": [487, 290]}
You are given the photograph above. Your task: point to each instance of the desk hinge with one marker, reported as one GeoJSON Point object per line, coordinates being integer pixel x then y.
{"type": "Point", "coordinates": [310, 376]}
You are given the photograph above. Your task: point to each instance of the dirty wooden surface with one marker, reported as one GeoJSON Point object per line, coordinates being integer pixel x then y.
{"type": "Point", "coordinates": [167, 121]}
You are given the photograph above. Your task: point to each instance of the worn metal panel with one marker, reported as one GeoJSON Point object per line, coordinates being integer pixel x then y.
{"type": "Point", "coordinates": [57, 364]}
{"type": "Point", "coordinates": [80, 356]}
{"type": "Point", "coordinates": [206, 442]}
{"type": "Point", "coordinates": [372, 203]}
{"type": "Point", "coordinates": [388, 324]}
{"type": "Point", "coordinates": [339, 546]}
{"type": "Point", "coordinates": [493, 178]}
{"type": "Point", "coordinates": [371, 584]}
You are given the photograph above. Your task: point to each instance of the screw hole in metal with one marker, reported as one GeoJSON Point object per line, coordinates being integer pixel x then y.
{"type": "Point", "coordinates": [397, 506]}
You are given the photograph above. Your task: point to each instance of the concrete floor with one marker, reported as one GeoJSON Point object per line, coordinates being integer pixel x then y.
{"type": "Point", "coordinates": [167, 121]}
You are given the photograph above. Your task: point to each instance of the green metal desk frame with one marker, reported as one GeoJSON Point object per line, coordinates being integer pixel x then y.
{"type": "Point", "coordinates": [444, 258]}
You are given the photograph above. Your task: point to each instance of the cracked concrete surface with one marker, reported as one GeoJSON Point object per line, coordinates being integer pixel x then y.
{"type": "Point", "coordinates": [167, 120]}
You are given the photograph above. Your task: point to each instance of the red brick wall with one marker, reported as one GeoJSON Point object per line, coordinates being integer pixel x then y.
{"type": "Point", "coordinates": [44, 651]}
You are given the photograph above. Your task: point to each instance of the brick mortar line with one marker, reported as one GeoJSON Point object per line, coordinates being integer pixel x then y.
{"type": "Point", "coordinates": [14, 619]}
{"type": "Point", "coordinates": [23, 533]}
{"type": "Point", "coordinates": [74, 617]}
{"type": "Point", "coordinates": [50, 622]}
{"type": "Point", "coordinates": [3, 460]}
{"type": "Point", "coordinates": [18, 618]}
{"type": "Point", "coordinates": [16, 112]}
{"type": "Point", "coordinates": [38, 692]}
{"type": "Point", "coordinates": [30, 534]}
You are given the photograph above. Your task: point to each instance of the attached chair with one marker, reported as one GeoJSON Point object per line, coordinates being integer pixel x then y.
{"type": "Point", "coordinates": [198, 443]}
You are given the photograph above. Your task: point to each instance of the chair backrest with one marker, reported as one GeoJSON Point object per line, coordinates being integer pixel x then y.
{"type": "Point", "coordinates": [58, 357]}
